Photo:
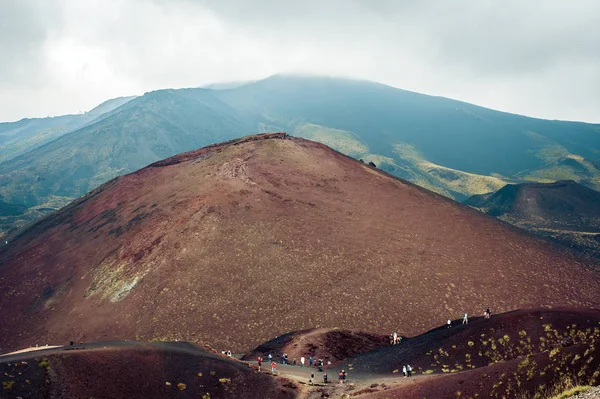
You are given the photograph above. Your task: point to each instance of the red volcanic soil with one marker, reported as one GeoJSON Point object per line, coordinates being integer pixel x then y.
{"type": "Point", "coordinates": [328, 344]}
{"type": "Point", "coordinates": [133, 370]}
{"type": "Point", "coordinates": [510, 354]}
{"type": "Point", "coordinates": [235, 243]}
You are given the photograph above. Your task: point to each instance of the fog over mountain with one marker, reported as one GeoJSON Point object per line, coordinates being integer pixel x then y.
{"type": "Point", "coordinates": [537, 58]}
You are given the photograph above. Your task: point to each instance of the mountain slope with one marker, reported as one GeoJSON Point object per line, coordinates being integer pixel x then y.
{"type": "Point", "coordinates": [444, 132]}
{"type": "Point", "coordinates": [564, 210]}
{"type": "Point", "coordinates": [450, 147]}
{"type": "Point", "coordinates": [17, 138]}
{"type": "Point", "coordinates": [149, 128]}
{"type": "Point", "coordinates": [130, 370]}
{"type": "Point", "coordinates": [236, 243]}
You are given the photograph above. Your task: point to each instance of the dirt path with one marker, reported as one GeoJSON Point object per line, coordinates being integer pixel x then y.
{"type": "Point", "coordinates": [355, 382]}
{"type": "Point", "coordinates": [36, 348]}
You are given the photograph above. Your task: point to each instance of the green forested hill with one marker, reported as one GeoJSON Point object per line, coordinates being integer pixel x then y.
{"type": "Point", "coordinates": [451, 147]}
{"type": "Point", "coordinates": [17, 138]}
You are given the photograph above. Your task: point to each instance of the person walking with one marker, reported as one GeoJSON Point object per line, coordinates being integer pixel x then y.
{"type": "Point", "coordinates": [395, 337]}
{"type": "Point", "coordinates": [270, 357]}
{"type": "Point", "coordinates": [341, 377]}
{"type": "Point", "coordinates": [465, 319]}
{"type": "Point", "coordinates": [409, 370]}
{"type": "Point", "coordinates": [302, 360]}
{"type": "Point", "coordinates": [259, 362]}
{"type": "Point", "coordinates": [404, 371]}
{"type": "Point", "coordinates": [449, 324]}
{"type": "Point", "coordinates": [324, 378]}
{"type": "Point", "coordinates": [310, 361]}
{"type": "Point", "coordinates": [273, 367]}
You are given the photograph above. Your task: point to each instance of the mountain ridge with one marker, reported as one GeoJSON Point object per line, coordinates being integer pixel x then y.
{"type": "Point", "coordinates": [450, 147]}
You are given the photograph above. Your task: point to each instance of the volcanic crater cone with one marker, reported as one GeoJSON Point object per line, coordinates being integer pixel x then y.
{"type": "Point", "coordinates": [236, 243]}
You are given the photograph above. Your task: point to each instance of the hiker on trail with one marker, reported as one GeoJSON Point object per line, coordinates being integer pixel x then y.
{"type": "Point", "coordinates": [395, 338]}
{"type": "Point", "coordinates": [259, 361]}
{"type": "Point", "coordinates": [487, 313]}
{"type": "Point", "coordinates": [320, 365]}
{"type": "Point", "coordinates": [302, 360]}
{"type": "Point", "coordinates": [270, 357]}
{"type": "Point", "coordinates": [344, 376]}
{"type": "Point", "coordinates": [310, 361]}
{"type": "Point", "coordinates": [324, 378]}
{"type": "Point", "coordinates": [404, 371]}
{"type": "Point", "coordinates": [409, 370]}
{"type": "Point", "coordinates": [341, 376]}
{"type": "Point", "coordinates": [449, 324]}
{"type": "Point", "coordinates": [465, 319]}
{"type": "Point", "coordinates": [294, 361]}
{"type": "Point", "coordinates": [273, 367]}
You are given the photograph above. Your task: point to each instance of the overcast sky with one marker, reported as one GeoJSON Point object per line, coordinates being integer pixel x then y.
{"type": "Point", "coordinates": [535, 57]}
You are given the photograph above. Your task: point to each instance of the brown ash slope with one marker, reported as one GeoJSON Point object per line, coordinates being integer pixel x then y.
{"type": "Point", "coordinates": [565, 210]}
{"type": "Point", "coordinates": [133, 370]}
{"type": "Point", "coordinates": [331, 345]}
{"type": "Point", "coordinates": [236, 243]}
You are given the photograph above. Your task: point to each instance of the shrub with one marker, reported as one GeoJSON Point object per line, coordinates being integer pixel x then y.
{"type": "Point", "coordinates": [7, 385]}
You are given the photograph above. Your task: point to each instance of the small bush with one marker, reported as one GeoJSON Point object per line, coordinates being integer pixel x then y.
{"type": "Point", "coordinates": [7, 385]}
{"type": "Point", "coordinates": [45, 364]}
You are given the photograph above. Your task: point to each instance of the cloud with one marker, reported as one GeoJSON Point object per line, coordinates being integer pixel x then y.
{"type": "Point", "coordinates": [537, 58]}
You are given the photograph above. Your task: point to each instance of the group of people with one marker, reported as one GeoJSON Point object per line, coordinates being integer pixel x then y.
{"type": "Point", "coordinates": [316, 363]}
{"type": "Point", "coordinates": [465, 320]}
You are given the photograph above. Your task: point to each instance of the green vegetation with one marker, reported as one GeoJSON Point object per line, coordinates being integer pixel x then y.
{"type": "Point", "coordinates": [340, 140]}
{"type": "Point", "coordinates": [450, 147]}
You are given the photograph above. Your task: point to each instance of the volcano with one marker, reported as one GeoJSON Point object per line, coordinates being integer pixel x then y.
{"type": "Point", "coordinates": [236, 243]}
{"type": "Point", "coordinates": [564, 211]}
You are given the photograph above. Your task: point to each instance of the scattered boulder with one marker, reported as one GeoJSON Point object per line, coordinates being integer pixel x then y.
{"type": "Point", "coordinates": [371, 163]}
